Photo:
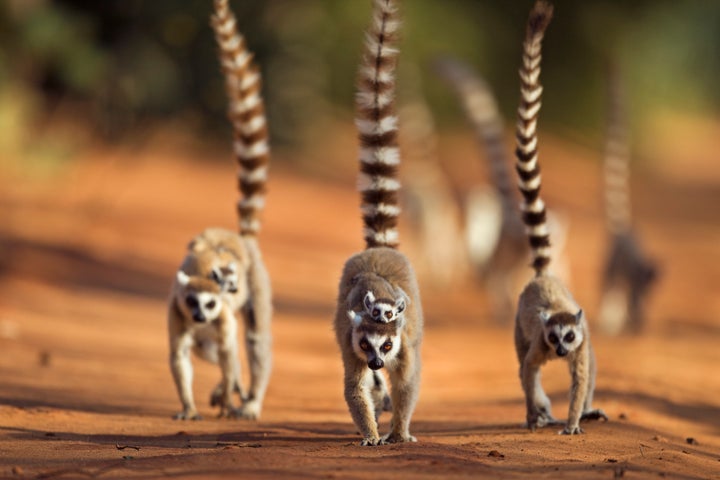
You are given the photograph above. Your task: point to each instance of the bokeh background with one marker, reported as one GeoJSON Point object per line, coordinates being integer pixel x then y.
{"type": "Point", "coordinates": [80, 71]}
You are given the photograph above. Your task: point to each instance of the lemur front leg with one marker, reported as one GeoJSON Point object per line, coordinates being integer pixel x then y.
{"type": "Point", "coordinates": [590, 413]}
{"type": "Point", "coordinates": [358, 381]}
{"type": "Point", "coordinates": [182, 372]}
{"type": "Point", "coordinates": [228, 362]}
{"type": "Point", "coordinates": [580, 374]}
{"type": "Point", "coordinates": [536, 401]}
{"type": "Point", "coordinates": [405, 379]}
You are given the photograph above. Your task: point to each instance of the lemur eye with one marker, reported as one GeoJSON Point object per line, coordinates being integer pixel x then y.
{"type": "Point", "coordinates": [553, 338]}
{"type": "Point", "coordinates": [191, 302]}
{"type": "Point", "coordinates": [388, 314]}
{"type": "Point", "coordinates": [210, 305]}
{"type": "Point", "coordinates": [387, 346]}
{"type": "Point", "coordinates": [365, 345]}
{"type": "Point", "coordinates": [375, 312]}
{"type": "Point", "coordinates": [569, 337]}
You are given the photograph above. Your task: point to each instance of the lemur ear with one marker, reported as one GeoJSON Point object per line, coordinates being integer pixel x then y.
{"type": "Point", "coordinates": [216, 275]}
{"type": "Point", "coordinates": [369, 300]}
{"type": "Point", "coordinates": [400, 304]}
{"type": "Point", "coordinates": [182, 278]}
{"type": "Point", "coordinates": [578, 316]}
{"type": "Point", "coordinates": [544, 316]}
{"type": "Point", "coordinates": [403, 301]}
{"type": "Point", "coordinates": [355, 318]}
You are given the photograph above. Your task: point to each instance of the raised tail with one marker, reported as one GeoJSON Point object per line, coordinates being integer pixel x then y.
{"type": "Point", "coordinates": [617, 158]}
{"type": "Point", "coordinates": [482, 111]}
{"type": "Point", "coordinates": [247, 114]}
{"type": "Point", "coordinates": [377, 127]}
{"type": "Point", "coordinates": [533, 208]}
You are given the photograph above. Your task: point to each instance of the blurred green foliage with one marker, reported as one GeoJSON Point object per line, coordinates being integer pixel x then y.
{"type": "Point", "coordinates": [125, 63]}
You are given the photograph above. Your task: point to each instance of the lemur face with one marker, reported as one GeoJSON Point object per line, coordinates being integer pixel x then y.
{"type": "Point", "coordinates": [227, 277]}
{"type": "Point", "coordinates": [563, 331]}
{"type": "Point", "coordinates": [382, 309]}
{"type": "Point", "coordinates": [376, 343]}
{"type": "Point", "coordinates": [198, 298]}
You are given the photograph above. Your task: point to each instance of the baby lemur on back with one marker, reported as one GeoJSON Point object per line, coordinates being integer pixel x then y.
{"type": "Point", "coordinates": [549, 323]}
{"type": "Point", "coordinates": [378, 321]}
{"type": "Point", "coordinates": [223, 276]}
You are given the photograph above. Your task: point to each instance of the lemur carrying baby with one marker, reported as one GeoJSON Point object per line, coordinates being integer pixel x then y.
{"type": "Point", "coordinates": [378, 321]}
{"type": "Point", "coordinates": [549, 323]}
{"type": "Point", "coordinates": [223, 276]}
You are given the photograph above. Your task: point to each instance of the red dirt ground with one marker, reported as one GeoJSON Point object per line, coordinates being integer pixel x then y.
{"type": "Point", "coordinates": [85, 389]}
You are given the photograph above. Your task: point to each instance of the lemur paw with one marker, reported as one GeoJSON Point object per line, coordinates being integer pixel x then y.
{"type": "Point", "coordinates": [596, 414]}
{"type": "Point", "coordinates": [227, 412]}
{"type": "Point", "coordinates": [248, 411]}
{"type": "Point", "coordinates": [541, 420]}
{"type": "Point", "coordinates": [571, 431]}
{"type": "Point", "coordinates": [398, 438]}
{"type": "Point", "coordinates": [187, 416]}
{"type": "Point", "coordinates": [372, 442]}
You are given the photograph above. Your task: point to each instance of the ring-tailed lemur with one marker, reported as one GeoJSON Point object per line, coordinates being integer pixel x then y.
{"type": "Point", "coordinates": [628, 273]}
{"type": "Point", "coordinates": [223, 274]}
{"type": "Point", "coordinates": [549, 323]}
{"type": "Point", "coordinates": [495, 236]}
{"type": "Point", "coordinates": [379, 277]}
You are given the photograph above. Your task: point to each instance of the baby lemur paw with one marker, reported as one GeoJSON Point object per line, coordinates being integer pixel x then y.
{"type": "Point", "coordinates": [187, 415]}
{"type": "Point", "coordinates": [372, 442]}
{"type": "Point", "coordinates": [596, 414]}
{"type": "Point", "coordinates": [398, 438]}
{"type": "Point", "coordinates": [571, 430]}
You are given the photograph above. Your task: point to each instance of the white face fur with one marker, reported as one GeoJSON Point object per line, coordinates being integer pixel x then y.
{"type": "Point", "coordinates": [201, 306]}
{"type": "Point", "coordinates": [563, 331]}
{"type": "Point", "coordinates": [376, 348]}
{"type": "Point", "coordinates": [382, 310]}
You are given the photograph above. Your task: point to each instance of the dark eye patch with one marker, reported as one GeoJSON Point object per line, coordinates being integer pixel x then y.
{"type": "Point", "coordinates": [375, 312]}
{"type": "Point", "coordinates": [210, 305]}
{"type": "Point", "coordinates": [191, 302]}
{"type": "Point", "coordinates": [388, 315]}
{"type": "Point", "coordinates": [364, 345]}
{"type": "Point", "coordinates": [387, 346]}
{"type": "Point", "coordinates": [569, 337]}
{"type": "Point", "coordinates": [553, 338]}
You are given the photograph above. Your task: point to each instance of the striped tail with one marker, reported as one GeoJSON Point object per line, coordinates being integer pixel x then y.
{"type": "Point", "coordinates": [247, 114]}
{"type": "Point", "coordinates": [377, 127]}
{"type": "Point", "coordinates": [481, 109]}
{"type": "Point", "coordinates": [617, 158]}
{"type": "Point", "coordinates": [533, 208]}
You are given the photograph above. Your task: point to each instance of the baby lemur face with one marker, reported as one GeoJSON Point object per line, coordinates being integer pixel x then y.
{"type": "Point", "coordinates": [383, 310]}
{"type": "Point", "coordinates": [563, 331]}
{"type": "Point", "coordinates": [375, 342]}
{"type": "Point", "coordinates": [227, 277]}
{"type": "Point", "coordinates": [199, 298]}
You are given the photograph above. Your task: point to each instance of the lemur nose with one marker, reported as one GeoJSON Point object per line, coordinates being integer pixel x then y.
{"type": "Point", "coordinates": [375, 364]}
{"type": "Point", "coordinates": [561, 351]}
{"type": "Point", "coordinates": [198, 317]}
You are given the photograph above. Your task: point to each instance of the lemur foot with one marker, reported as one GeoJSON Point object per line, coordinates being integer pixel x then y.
{"type": "Point", "coordinates": [571, 430]}
{"type": "Point", "coordinates": [398, 438]}
{"type": "Point", "coordinates": [249, 410]}
{"type": "Point", "coordinates": [187, 415]}
{"type": "Point", "coordinates": [540, 420]}
{"type": "Point", "coordinates": [372, 442]}
{"type": "Point", "coordinates": [596, 414]}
